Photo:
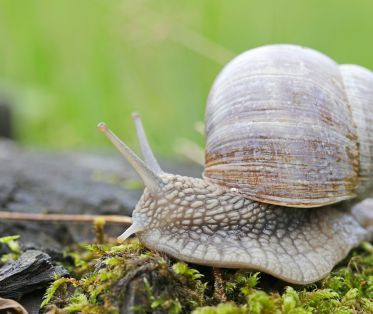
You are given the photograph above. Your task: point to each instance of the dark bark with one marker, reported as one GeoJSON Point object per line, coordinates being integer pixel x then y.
{"type": "Point", "coordinates": [32, 271]}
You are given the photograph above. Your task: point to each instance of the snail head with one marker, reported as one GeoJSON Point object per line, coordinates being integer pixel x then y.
{"type": "Point", "coordinates": [157, 199]}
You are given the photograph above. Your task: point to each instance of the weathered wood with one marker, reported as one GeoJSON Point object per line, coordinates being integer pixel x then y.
{"type": "Point", "coordinates": [35, 182]}
{"type": "Point", "coordinates": [63, 182]}
{"type": "Point", "coordinates": [32, 271]}
{"type": "Point", "coordinates": [74, 183]}
{"type": "Point", "coordinates": [68, 183]}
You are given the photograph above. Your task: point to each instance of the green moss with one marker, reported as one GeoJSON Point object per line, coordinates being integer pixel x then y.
{"type": "Point", "coordinates": [101, 274]}
{"type": "Point", "coordinates": [182, 268]}
{"type": "Point", "coordinates": [224, 308]}
{"type": "Point", "coordinates": [104, 272]}
{"type": "Point", "coordinates": [13, 246]}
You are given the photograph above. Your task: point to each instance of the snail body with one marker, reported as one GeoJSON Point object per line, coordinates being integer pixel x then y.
{"type": "Point", "coordinates": [201, 223]}
{"type": "Point", "coordinates": [287, 129]}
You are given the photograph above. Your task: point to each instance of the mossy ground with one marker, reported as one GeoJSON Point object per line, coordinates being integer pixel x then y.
{"type": "Point", "coordinates": [103, 276]}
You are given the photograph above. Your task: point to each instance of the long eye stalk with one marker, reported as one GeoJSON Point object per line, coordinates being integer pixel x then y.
{"type": "Point", "coordinates": [150, 178]}
{"type": "Point", "coordinates": [146, 151]}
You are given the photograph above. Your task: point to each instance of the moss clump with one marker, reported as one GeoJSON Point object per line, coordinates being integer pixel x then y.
{"type": "Point", "coordinates": [129, 278]}
{"type": "Point", "coordinates": [105, 274]}
{"type": "Point", "coordinates": [348, 289]}
{"type": "Point", "coordinates": [12, 248]}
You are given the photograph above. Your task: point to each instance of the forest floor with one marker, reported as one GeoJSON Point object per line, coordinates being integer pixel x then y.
{"type": "Point", "coordinates": [70, 268]}
{"type": "Point", "coordinates": [128, 278]}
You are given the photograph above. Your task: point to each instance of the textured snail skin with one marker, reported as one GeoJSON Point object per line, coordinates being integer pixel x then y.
{"type": "Point", "coordinates": [199, 222]}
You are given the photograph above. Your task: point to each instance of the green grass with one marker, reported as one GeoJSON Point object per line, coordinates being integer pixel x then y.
{"type": "Point", "coordinates": [67, 65]}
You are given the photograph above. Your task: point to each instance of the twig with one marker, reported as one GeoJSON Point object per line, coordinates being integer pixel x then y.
{"type": "Point", "coordinates": [99, 225]}
{"type": "Point", "coordinates": [219, 293]}
{"type": "Point", "coordinates": [63, 218]}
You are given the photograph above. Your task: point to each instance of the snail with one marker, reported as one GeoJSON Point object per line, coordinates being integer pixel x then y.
{"type": "Point", "coordinates": [289, 152]}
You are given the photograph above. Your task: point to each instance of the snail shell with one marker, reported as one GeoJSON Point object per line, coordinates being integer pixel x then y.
{"type": "Point", "coordinates": [286, 125]}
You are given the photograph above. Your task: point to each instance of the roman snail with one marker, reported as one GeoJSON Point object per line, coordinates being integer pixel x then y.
{"type": "Point", "coordinates": [288, 133]}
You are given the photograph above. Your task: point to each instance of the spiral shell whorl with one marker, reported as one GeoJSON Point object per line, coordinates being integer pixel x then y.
{"type": "Point", "coordinates": [280, 128]}
{"type": "Point", "coordinates": [358, 83]}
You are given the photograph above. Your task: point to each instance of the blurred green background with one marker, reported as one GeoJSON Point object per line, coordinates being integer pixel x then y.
{"type": "Point", "coordinates": [67, 64]}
